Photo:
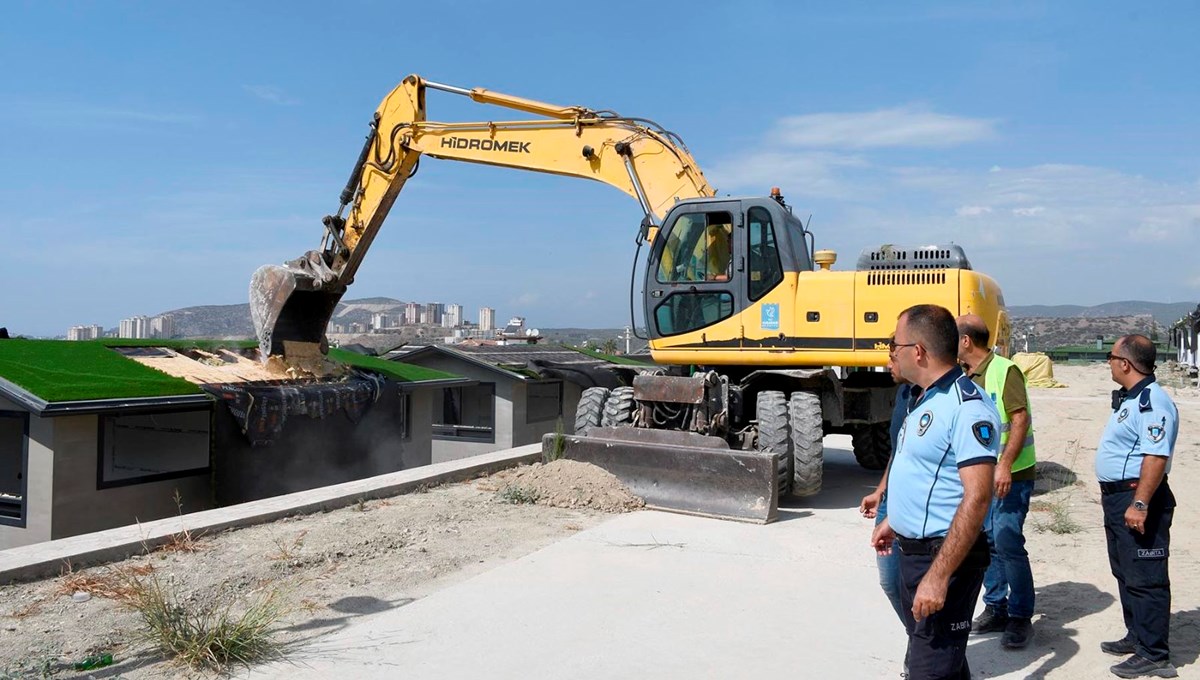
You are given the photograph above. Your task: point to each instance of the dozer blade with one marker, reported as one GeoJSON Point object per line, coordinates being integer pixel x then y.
{"type": "Point", "coordinates": [285, 307]}
{"type": "Point", "coordinates": [680, 471]}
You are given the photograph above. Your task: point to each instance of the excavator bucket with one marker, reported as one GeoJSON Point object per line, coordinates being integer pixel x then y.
{"type": "Point", "coordinates": [286, 306]}
{"type": "Point", "coordinates": [679, 471]}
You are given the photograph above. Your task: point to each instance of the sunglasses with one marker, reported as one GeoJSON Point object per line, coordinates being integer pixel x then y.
{"type": "Point", "coordinates": [893, 345]}
{"type": "Point", "coordinates": [1110, 356]}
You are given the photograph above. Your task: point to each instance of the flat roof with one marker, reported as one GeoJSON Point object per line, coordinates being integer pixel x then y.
{"type": "Point", "coordinates": [60, 376]}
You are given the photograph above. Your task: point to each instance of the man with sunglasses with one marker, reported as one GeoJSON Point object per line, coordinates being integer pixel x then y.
{"type": "Point", "coordinates": [939, 489]}
{"type": "Point", "coordinates": [1008, 593]}
{"type": "Point", "coordinates": [1132, 462]}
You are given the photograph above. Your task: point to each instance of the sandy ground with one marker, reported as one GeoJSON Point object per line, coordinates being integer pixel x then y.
{"type": "Point", "coordinates": [332, 568]}
{"type": "Point", "coordinates": [1076, 592]}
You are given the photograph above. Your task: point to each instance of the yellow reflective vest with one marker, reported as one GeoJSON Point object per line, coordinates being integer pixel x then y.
{"type": "Point", "coordinates": [993, 380]}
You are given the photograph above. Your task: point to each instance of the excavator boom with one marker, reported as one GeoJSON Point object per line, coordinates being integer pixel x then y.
{"type": "Point", "coordinates": [294, 302]}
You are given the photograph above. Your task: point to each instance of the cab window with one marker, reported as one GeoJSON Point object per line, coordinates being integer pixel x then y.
{"type": "Point", "coordinates": [698, 248]}
{"type": "Point", "coordinates": [765, 271]}
{"type": "Point", "coordinates": [684, 312]}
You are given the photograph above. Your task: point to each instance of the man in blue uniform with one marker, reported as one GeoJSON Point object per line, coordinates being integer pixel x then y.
{"type": "Point", "coordinates": [874, 504]}
{"type": "Point", "coordinates": [1132, 462]}
{"type": "Point", "coordinates": [939, 489]}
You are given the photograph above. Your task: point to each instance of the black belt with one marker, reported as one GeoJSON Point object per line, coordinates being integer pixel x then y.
{"type": "Point", "coordinates": [931, 546]}
{"type": "Point", "coordinates": [920, 546]}
{"type": "Point", "coordinates": [1123, 485]}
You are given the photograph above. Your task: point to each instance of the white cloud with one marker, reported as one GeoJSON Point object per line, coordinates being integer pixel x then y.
{"type": "Point", "coordinates": [898, 127]}
{"type": "Point", "coordinates": [813, 173]}
{"type": "Point", "coordinates": [1029, 212]}
{"type": "Point", "coordinates": [972, 210]}
{"type": "Point", "coordinates": [525, 299]}
{"type": "Point", "coordinates": [270, 94]}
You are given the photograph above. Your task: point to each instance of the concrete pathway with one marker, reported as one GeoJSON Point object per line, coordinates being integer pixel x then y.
{"type": "Point", "coordinates": [649, 595]}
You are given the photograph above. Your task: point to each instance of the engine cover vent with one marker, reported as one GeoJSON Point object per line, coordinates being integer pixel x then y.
{"type": "Point", "coordinates": [906, 278]}
{"type": "Point", "coordinates": [890, 257]}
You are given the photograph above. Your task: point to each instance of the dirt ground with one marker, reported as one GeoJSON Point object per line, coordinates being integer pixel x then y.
{"type": "Point", "coordinates": [1075, 589]}
{"type": "Point", "coordinates": [326, 568]}
{"type": "Point", "coordinates": [333, 567]}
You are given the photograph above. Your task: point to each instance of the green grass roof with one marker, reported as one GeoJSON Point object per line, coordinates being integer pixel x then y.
{"type": "Point", "coordinates": [393, 369]}
{"type": "Point", "coordinates": [57, 370]}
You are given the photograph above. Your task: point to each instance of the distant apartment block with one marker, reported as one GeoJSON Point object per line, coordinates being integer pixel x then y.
{"type": "Point", "coordinates": [433, 313]}
{"type": "Point", "coordinates": [356, 327]}
{"type": "Point", "coordinates": [134, 327]}
{"type": "Point", "coordinates": [380, 321]}
{"type": "Point", "coordinates": [487, 319]}
{"type": "Point", "coordinates": [412, 313]}
{"type": "Point", "coordinates": [85, 332]}
{"type": "Point", "coordinates": [453, 317]}
{"type": "Point", "coordinates": [162, 326]}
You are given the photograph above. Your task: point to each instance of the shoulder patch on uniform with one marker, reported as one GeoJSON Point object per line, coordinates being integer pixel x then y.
{"type": "Point", "coordinates": [1144, 401]}
{"type": "Point", "coordinates": [985, 432]}
{"type": "Point", "coordinates": [924, 422]}
{"type": "Point", "coordinates": [1157, 431]}
{"type": "Point", "coordinates": [968, 389]}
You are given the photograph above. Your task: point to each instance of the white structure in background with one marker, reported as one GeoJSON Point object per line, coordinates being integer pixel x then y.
{"type": "Point", "coordinates": [515, 333]}
{"type": "Point", "coordinates": [487, 319]}
{"type": "Point", "coordinates": [92, 332]}
{"type": "Point", "coordinates": [162, 326]}
{"type": "Point", "coordinates": [412, 313]}
{"type": "Point", "coordinates": [356, 327]}
{"type": "Point", "coordinates": [134, 327]}
{"type": "Point", "coordinates": [453, 318]}
{"type": "Point", "coordinates": [380, 321]}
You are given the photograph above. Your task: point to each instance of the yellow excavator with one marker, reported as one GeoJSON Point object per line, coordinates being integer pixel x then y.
{"type": "Point", "coordinates": [763, 348]}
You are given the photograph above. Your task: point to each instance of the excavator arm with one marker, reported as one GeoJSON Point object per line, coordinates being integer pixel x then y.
{"type": "Point", "coordinates": [293, 303]}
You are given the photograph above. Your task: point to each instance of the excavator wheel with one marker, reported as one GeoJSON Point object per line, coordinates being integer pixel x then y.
{"type": "Point", "coordinates": [774, 435]}
{"type": "Point", "coordinates": [872, 445]}
{"type": "Point", "coordinates": [591, 409]}
{"type": "Point", "coordinates": [618, 408]}
{"type": "Point", "coordinates": [808, 447]}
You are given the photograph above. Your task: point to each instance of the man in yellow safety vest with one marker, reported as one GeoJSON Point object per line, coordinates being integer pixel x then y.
{"type": "Point", "coordinates": [1008, 583]}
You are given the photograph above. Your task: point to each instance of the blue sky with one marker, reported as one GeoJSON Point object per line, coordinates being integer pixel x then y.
{"type": "Point", "coordinates": [152, 155]}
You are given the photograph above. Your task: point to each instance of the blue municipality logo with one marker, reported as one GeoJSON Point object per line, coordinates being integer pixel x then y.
{"type": "Point", "coordinates": [985, 432]}
{"type": "Point", "coordinates": [770, 317]}
{"type": "Point", "coordinates": [1157, 432]}
{"type": "Point", "coordinates": [924, 422]}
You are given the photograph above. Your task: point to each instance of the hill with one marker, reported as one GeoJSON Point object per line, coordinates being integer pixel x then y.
{"type": "Point", "coordinates": [1164, 313]}
{"type": "Point", "coordinates": [1048, 332]}
{"type": "Point", "coordinates": [1052, 325]}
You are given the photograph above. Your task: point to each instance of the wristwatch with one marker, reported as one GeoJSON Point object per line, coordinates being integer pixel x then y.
{"type": "Point", "coordinates": [1139, 506]}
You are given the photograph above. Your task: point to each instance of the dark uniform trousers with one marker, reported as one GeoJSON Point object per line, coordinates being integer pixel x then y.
{"type": "Point", "coordinates": [1139, 563]}
{"type": "Point", "coordinates": [937, 645]}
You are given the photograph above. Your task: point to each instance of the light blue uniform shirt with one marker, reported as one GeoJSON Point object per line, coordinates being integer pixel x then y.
{"type": "Point", "coordinates": [1145, 423]}
{"type": "Point", "coordinates": [953, 424]}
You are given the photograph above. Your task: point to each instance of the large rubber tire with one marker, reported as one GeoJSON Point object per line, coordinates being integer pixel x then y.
{"type": "Point", "coordinates": [618, 408]}
{"type": "Point", "coordinates": [774, 435]}
{"type": "Point", "coordinates": [808, 447]}
{"type": "Point", "coordinates": [873, 445]}
{"type": "Point", "coordinates": [590, 410]}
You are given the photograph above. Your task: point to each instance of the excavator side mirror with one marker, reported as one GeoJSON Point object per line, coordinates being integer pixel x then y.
{"type": "Point", "coordinates": [647, 231]}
